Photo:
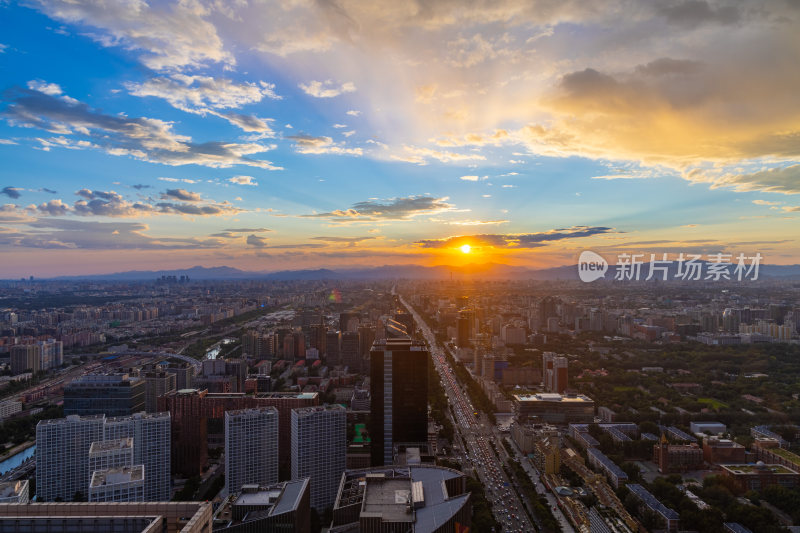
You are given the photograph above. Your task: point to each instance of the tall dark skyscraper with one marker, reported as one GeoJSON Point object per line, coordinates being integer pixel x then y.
{"type": "Point", "coordinates": [399, 396]}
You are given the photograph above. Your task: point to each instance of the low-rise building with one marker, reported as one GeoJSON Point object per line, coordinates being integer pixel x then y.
{"type": "Point", "coordinates": [616, 476]}
{"type": "Point", "coordinates": [15, 491]}
{"type": "Point", "coordinates": [554, 408]}
{"type": "Point", "coordinates": [760, 476]}
{"type": "Point", "coordinates": [422, 499]}
{"type": "Point", "coordinates": [278, 507]}
{"type": "Point", "coordinates": [669, 516]}
{"type": "Point", "coordinates": [96, 517]}
{"type": "Point", "coordinates": [677, 457]}
{"type": "Point", "coordinates": [722, 451]}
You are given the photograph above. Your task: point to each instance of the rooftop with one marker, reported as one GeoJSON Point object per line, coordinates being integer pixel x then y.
{"type": "Point", "coordinates": [114, 476]}
{"type": "Point", "coordinates": [107, 445]}
{"type": "Point", "coordinates": [757, 467]}
{"type": "Point", "coordinates": [386, 492]}
{"type": "Point", "coordinates": [552, 397]}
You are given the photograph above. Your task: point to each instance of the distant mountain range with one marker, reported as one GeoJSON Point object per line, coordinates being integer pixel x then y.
{"type": "Point", "coordinates": [490, 271]}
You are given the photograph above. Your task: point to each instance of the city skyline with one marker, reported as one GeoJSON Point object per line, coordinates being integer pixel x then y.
{"type": "Point", "coordinates": [273, 136]}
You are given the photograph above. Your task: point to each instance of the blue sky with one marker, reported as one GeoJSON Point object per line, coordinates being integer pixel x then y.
{"type": "Point", "coordinates": [272, 135]}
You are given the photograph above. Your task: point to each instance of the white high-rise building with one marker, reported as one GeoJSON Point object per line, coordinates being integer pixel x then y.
{"type": "Point", "coordinates": [251, 447]}
{"type": "Point", "coordinates": [62, 455]}
{"type": "Point", "coordinates": [63, 446]}
{"type": "Point", "coordinates": [319, 445]}
{"type": "Point", "coordinates": [151, 447]}
{"type": "Point", "coordinates": [110, 454]}
{"type": "Point", "coordinates": [122, 484]}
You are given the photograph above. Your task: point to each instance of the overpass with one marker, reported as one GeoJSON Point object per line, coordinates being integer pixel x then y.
{"type": "Point", "coordinates": [165, 355]}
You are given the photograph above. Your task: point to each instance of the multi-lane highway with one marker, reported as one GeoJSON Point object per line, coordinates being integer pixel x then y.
{"type": "Point", "coordinates": [474, 438]}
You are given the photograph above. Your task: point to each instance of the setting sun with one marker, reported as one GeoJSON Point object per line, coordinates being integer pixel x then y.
{"type": "Point", "coordinates": [465, 248]}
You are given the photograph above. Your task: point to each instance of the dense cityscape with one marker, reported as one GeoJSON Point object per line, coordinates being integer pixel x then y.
{"type": "Point", "coordinates": [344, 406]}
{"type": "Point", "coordinates": [399, 266]}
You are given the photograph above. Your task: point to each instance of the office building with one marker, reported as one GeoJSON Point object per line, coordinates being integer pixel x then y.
{"type": "Point", "coordinates": [151, 434]}
{"type": "Point", "coordinates": [184, 374]}
{"type": "Point", "coordinates": [319, 447]}
{"type": "Point", "coordinates": [198, 422]}
{"type": "Point", "coordinates": [121, 484]}
{"type": "Point", "coordinates": [420, 498]}
{"type": "Point", "coordinates": [251, 448]}
{"type": "Point", "coordinates": [96, 517]}
{"type": "Point", "coordinates": [108, 394]}
{"type": "Point", "coordinates": [350, 351]}
{"type": "Point", "coordinates": [398, 395]}
{"type": "Point", "coordinates": [554, 408]}
{"type": "Point", "coordinates": [107, 454]}
{"type": "Point", "coordinates": [15, 491]}
{"type": "Point", "coordinates": [62, 455]}
{"type": "Point", "coordinates": [278, 507]}
{"type": "Point", "coordinates": [156, 384]}
{"type": "Point", "coordinates": [332, 354]}
{"type": "Point", "coordinates": [554, 372]}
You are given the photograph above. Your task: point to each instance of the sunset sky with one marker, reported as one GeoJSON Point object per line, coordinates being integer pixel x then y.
{"type": "Point", "coordinates": [270, 135]}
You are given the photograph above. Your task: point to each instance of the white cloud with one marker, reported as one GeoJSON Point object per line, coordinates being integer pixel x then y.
{"type": "Point", "coordinates": [201, 93]}
{"type": "Point", "coordinates": [52, 89]}
{"type": "Point", "coordinates": [339, 126]}
{"type": "Point", "coordinates": [353, 113]}
{"type": "Point", "coordinates": [307, 144]}
{"type": "Point", "coordinates": [142, 138]}
{"type": "Point", "coordinates": [326, 89]}
{"type": "Point", "coordinates": [179, 180]}
{"type": "Point", "coordinates": [171, 36]}
{"type": "Point", "coordinates": [243, 180]}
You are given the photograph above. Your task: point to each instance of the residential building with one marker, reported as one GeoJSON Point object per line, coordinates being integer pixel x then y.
{"type": "Point", "coordinates": [669, 517]}
{"type": "Point", "coordinates": [25, 358]}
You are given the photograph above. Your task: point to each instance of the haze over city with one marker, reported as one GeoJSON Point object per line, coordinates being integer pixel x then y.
{"type": "Point", "coordinates": [286, 135]}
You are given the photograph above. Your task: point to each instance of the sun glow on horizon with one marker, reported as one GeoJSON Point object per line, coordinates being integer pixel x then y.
{"type": "Point", "coordinates": [465, 248]}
